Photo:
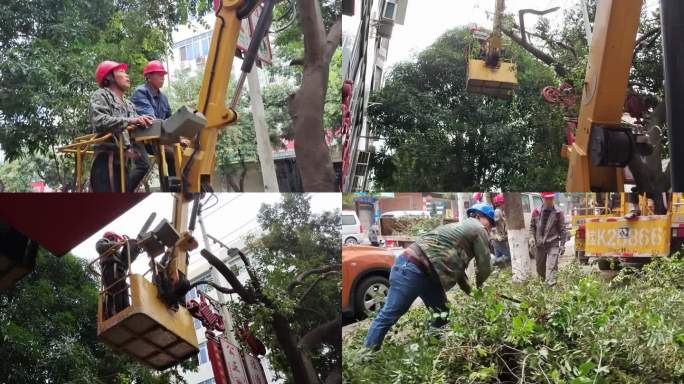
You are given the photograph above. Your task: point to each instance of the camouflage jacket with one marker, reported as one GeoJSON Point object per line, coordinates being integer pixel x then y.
{"type": "Point", "coordinates": [450, 248]}
{"type": "Point", "coordinates": [499, 232]}
{"type": "Point", "coordinates": [110, 114]}
{"type": "Point", "coordinates": [553, 232]}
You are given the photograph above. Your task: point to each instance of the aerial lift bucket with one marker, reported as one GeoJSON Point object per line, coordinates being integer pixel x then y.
{"type": "Point", "coordinates": [497, 82]}
{"type": "Point", "coordinates": [147, 329]}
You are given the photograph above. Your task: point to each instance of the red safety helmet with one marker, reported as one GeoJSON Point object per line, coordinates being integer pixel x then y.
{"type": "Point", "coordinates": [105, 67]}
{"type": "Point", "coordinates": [113, 236]}
{"type": "Point", "coordinates": [548, 194]}
{"type": "Point", "coordinates": [154, 66]}
{"type": "Point", "coordinates": [477, 196]}
{"type": "Point", "coordinates": [498, 199]}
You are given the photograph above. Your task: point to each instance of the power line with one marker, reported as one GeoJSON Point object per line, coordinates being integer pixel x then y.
{"type": "Point", "coordinates": [222, 205]}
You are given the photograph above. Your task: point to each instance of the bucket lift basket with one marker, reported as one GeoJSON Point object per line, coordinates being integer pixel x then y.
{"type": "Point", "coordinates": [499, 81]}
{"type": "Point", "coordinates": [147, 330]}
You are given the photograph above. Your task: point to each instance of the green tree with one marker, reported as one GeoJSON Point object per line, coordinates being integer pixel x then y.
{"type": "Point", "coordinates": [48, 330]}
{"type": "Point", "coordinates": [439, 137]}
{"type": "Point", "coordinates": [292, 300]}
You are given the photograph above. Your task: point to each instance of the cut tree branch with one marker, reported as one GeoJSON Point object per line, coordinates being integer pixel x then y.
{"type": "Point", "coordinates": [560, 69]}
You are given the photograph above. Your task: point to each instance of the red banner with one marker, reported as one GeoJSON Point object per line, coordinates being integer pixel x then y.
{"type": "Point", "coordinates": [233, 360]}
{"type": "Point", "coordinates": [217, 363]}
{"type": "Point", "coordinates": [254, 370]}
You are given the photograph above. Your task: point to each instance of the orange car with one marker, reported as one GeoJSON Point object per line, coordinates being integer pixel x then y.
{"type": "Point", "coordinates": [365, 279]}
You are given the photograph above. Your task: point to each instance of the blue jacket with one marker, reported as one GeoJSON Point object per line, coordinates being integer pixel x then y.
{"type": "Point", "coordinates": [151, 103]}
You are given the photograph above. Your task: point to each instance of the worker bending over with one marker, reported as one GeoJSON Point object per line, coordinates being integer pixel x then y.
{"type": "Point", "coordinates": [548, 234]}
{"type": "Point", "coordinates": [110, 112]}
{"type": "Point", "coordinates": [433, 265]}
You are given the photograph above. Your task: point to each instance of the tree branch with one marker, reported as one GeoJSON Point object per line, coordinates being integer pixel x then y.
{"type": "Point", "coordinates": [558, 43]}
{"type": "Point", "coordinates": [240, 289]}
{"type": "Point", "coordinates": [646, 40]}
{"type": "Point", "coordinates": [326, 332]}
{"type": "Point", "coordinates": [311, 22]}
{"type": "Point", "coordinates": [333, 39]}
{"type": "Point", "coordinates": [315, 283]}
{"type": "Point", "coordinates": [536, 52]}
{"type": "Point", "coordinates": [299, 280]}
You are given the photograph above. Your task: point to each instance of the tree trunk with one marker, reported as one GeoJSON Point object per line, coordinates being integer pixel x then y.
{"type": "Point", "coordinates": [462, 198]}
{"type": "Point", "coordinates": [302, 369]}
{"type": "Point", "coordinates": [306, 105]}
{"type": "Point", "coordinates": [648, 170]}
{"type": "Point", "coordinates": [517, 236]}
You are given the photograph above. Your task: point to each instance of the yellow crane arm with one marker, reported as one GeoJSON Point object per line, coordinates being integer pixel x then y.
{"type": "Point", "coordinates": [602, 148]}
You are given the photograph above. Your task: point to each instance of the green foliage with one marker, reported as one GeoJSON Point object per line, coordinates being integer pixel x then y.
{"type": "Point", "coordinates": [416, 226]}
{"type": "Point", "coordinates": [439, 137]}
{"type": "Point", "coordinates": [295, 241]}
{"type": "Point", "coordinates": [48, 331]}
{"type": "Point", "coordinates": [584, 330]}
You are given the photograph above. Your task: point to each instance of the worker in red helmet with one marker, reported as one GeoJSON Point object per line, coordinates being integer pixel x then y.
{"type": "Point", "coordinates": [111, 112]}
{"type": "Point", "coordinates": [502, 252]}
{"type": "Point", "coordinates": [149, 100]}
{"type": "Point", "coordinates": [477, 198]}
{"type": "Point", "coordinates": [114, 267]}
{"type": "Point", "coordinates": [548, 234]}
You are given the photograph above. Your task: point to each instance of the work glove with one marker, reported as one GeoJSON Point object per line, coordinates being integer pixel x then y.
{"type": "Point", "coordinates": [561, 250]}
{"type": "Point", "coordinates": [533, 243]}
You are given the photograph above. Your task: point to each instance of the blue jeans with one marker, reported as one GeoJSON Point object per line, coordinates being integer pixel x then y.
{"type": "Point", "coordinates": [407, 282]}
{"type": "Point", "coordinates": [501, 251]}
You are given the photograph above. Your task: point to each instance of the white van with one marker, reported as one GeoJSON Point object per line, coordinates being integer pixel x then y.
{"type": "Point", "coordinates": [351, 229]}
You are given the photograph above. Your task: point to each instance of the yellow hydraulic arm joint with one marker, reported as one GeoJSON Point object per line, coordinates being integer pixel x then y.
{"type": "Point", "coordinates": [610, 59]}
{"type": "Point", "coordinates": [198, 162]}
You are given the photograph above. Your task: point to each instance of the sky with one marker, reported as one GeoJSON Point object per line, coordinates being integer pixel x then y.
{"type": "Point", "coordinates": [233, 216]}
{"type": "Point", "coordinates": [428, 19]}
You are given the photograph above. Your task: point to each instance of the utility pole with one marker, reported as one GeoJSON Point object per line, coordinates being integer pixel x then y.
{"type": "Point", "coordinates": [264, 149]}
{"type": "Point", "coordinates": [218, 280]}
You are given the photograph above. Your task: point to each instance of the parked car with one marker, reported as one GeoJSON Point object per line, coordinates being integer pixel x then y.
{"type": "Point", "coordinates": [365, 279]}
{"type": "Point", "coordinates": [351, 229]}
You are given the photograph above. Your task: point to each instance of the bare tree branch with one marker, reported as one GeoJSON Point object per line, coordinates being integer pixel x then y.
{"type": "Point", "coordinates": [299, 280]}
{"type": "Point", "coordinates": [315, 283]}
{"type": "Point", "coordinates": [333, 39]}
{"type": "Point", "coordinates": [536, 52]}
{"type": "Point", "coordinates": [246, 295]}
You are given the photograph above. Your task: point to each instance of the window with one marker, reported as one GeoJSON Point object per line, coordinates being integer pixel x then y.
{"type": "Point", "coordinates": [203, 354]}
{"type": "Point", "coordinates": [348, 220]}
{"type": "Point", "coordinates": [526, 203]}
{"type": "Point", "coordinates": [390, 9]}
{"type": "Point", "coordinates": [194, 48]}
{"type": "Point", "coordinates": [205, 47]}
{"type": "Point", "coordinates": [537, 201]}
